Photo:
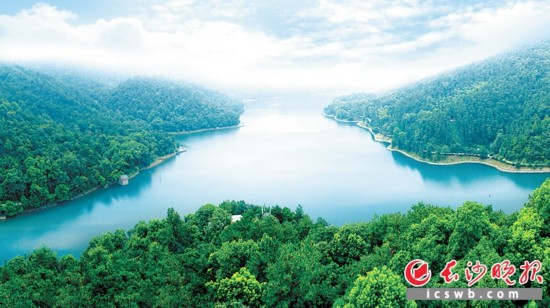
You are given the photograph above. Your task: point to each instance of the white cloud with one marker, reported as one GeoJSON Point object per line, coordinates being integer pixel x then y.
{"type": "Point", "coordinates": [119, 33]}
{"type": "Point", "coordinates": [352, 46]}
{"type": "Point", "coordinates": [506, 26]}
{"type": "Point", "coordinates": [40, 18]}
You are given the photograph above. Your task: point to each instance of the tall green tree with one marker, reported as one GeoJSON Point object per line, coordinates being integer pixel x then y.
{"type": "Point", "coordinates": [241, 289]}
{"type": "Point", "coordinates": [470, 224]}
{"type": "Point", "coordinates": [378, 288]}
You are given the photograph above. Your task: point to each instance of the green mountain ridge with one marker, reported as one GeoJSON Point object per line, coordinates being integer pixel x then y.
{"type": "Point", "coordinates": [497, 108]}
{"type": "Point", "coordinates": [275, 256]}
{"type": "Point", "coordinates": [158, 102]}
{"type": "Point", "coordinates": [64, 135]}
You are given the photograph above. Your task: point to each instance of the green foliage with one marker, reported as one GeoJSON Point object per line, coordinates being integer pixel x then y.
{"type": "Point", "coordinates": [242, 289]}
{"type": "Point", "coordinates": [525, 238]}
{"type": "Point", "coordinates": [233, 255]}
{"type": "Point", "coordinates": [347, 246]}
{"type": "Point", "coordinates": [210, 220]}
{"type": "Point", "coordinates": [298, 277]}
{"type": "Point", "coordinates": [63, 136]}
{"type": "Point", "coordinates": [379, 288]}
{"type": "Point", "coordinates": [173, 107]}
{"type": "Point", "coordinates": [429, 238]}
{"type": "Point", "coordinates": [470, 225]}
{"type": "Point", "coordinates": [497, 108]}
{"type": "Point", "coordinates": [236, 207]}
{"type": "Point", "coordinates": [281, 259]}
{"type": "Point", "coordinates": [540, 201]}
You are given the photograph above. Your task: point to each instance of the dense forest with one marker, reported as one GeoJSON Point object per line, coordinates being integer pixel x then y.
{"type": "Point", "coordinates": [497, 108]}
{"type": "Point", "coordinates": [159, 102]}
{"type": "Point", "coordinates": [64, 135]}
{"type": "Point", "coordinates": [274, 256]}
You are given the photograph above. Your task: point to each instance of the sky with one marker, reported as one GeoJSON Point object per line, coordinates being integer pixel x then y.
{"type": "Point", "coordinates": [315, 45]}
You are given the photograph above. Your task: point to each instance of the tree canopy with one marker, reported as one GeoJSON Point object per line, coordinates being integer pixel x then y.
{"type": "Point", "coordinates": [497, 108]}
{"type": "Point", "coordinates": [64, 135]}
{"type": "Point", "coordinates": [279, 257]}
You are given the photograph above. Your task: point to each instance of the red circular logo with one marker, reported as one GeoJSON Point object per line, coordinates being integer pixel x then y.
{"type": "Point", "coordinates": [417, 273]}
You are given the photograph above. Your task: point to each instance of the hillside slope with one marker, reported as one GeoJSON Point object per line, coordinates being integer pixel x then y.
{"type": "Point", "coordinates": [62, 137]}
{"type": "Point", "coordinates": [173, 107]}
{"type": "Point", "coordinates": [498, 108]}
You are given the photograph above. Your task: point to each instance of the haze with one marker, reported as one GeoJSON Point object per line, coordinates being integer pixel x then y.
{"type": "Point", "coordinates": [293, 45]}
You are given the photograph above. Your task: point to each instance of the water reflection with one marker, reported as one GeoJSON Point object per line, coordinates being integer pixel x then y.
{"type": "Point", "coordinates": [466, 174]}
{"type": "Point", "coordinates": [209, 134]}
{"type": "Point", "coordinates": [67, 227]}
{"type": "Point", "coordinates": [116, 192]}
{"type": "Point", "coordinates": [285, 154]}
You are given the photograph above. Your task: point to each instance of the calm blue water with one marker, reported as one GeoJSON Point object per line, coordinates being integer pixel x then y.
{"type": "Point", "coordinates": [287, 154]}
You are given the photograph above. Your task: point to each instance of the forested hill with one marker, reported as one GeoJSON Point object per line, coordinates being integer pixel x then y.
{"type": "Point", "coordinates": [159, 102]}
{"type": "Point", "coordinates": [276, 257]}
{"type": "Point", "coordinates": [497, 108]}
{"type": "Point", "coordinates": [64, 135]}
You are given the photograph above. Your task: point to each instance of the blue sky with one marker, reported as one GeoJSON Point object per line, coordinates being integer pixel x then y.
{"type": "Point", "coordinates": [348, 45]}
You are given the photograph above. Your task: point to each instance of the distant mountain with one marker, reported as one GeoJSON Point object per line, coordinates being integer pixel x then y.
{"type": "Point", "coordinates": [498, 108]}
{"type": "Point", "coordinates": [64, 135]}
{"type": "Point", "coordinates": [173, 107]}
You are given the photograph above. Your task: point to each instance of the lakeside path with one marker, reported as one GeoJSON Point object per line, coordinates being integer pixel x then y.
{"type": "Point", "coordinates": [450, 160]}
{"type": "Point", "coordinates": [205, 130]}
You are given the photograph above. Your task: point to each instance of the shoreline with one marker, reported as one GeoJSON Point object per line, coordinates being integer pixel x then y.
{"type": "Point", "coordinates": [204, 130]}
{"type": "Point", "coordinates": [155, 163]}
{"type": "Point", "coordinates": [501, 166]}
{"type": "Point", "coordinates": [472, 160]}
{"type": "Point", "coordinates": [160, 160]}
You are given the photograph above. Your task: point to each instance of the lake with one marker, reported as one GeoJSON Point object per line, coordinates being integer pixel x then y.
{"type": "Point", "coordinates": [287, 154]}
